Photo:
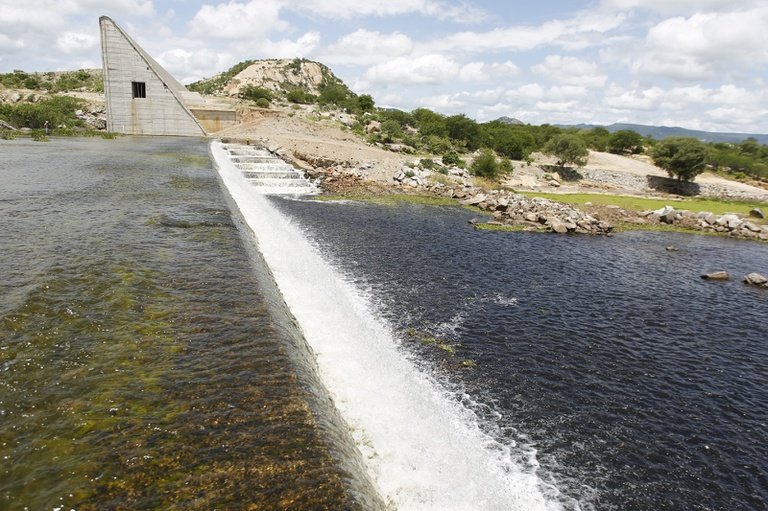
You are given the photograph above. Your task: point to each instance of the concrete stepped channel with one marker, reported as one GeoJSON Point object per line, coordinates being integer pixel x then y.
{"type": "Point", "coordinates": [268, 173]}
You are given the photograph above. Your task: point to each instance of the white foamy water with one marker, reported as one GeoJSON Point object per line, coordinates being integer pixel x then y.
{"type": "Point", "coordinates": [422, 448]}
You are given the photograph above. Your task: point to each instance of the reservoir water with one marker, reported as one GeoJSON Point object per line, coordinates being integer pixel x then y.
{"type": "Point", "coordinates": [168, 339]}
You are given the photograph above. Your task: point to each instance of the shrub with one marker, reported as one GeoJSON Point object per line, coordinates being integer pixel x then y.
{"type": "Point", "coordinates": [256, 93]}
{"type": "Point", "coordinates": [505, 166]}
{"type": "Point", "coordinates": [262, 103]}
{"type": "Point", "coordinates": [58, 110]}
{"type": "Point", "coordinates": [300, 96]}
{"type": "Point", "coordinates": [452, 158]}
{"type": "Point", "coordinates": [437, 145]}
{"type": "Point", "coordinates": [485, 165]}
{"type": "Point", "coordinates": [427, 163]}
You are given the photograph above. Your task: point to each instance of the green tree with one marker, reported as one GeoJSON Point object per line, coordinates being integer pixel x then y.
{"type": "Point", "coordinates": [391, 130]}
{"type": "Point", "coordinates": [625, 141]}
{"type": "Point", "coordinates": [365, 103]}
{"type": "Point", "coordinates": [683, 158]}
{"type": "Point", "coordinates": [567, 148]}
{"type": "Point", "coordinates": [333, 94]}
{"type": "Point", "coordinates": [596, 138]}
{"type": "Point", "coordinates": [429, 122]}
{"type": "Point", "coordinates": [485, 164]}
{"type": "Point", "coordinates": [463, 129]}
{"type": "Point", "coordinates": [748, 146]}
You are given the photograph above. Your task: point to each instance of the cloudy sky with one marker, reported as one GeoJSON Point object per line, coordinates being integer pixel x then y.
{"type": "Point", "coordinates": [700, 64]}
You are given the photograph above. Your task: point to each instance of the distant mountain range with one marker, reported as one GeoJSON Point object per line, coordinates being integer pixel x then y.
{"type": "Point", "coordinates": [662, 132]}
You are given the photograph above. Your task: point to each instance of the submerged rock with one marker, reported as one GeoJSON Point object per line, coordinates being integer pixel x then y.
{"type": "Point", "coordinates": [716, 275]}
{"type": "Point", "coordinates": [756, 279]}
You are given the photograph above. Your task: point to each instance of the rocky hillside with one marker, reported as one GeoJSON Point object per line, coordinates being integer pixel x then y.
{"type": "Point", "coordinates": [281, 76]}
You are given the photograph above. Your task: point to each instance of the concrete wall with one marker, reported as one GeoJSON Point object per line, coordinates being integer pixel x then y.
{"type": "Point", "coordinates": [162, 111]}
{"type": "Point", "coordinates": [214, 120]}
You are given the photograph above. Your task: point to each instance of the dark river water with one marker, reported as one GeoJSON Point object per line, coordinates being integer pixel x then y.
{"type": "Point", "coordinates": [148, 359]}
{"type": "Point", "coordinates": [641, 386]}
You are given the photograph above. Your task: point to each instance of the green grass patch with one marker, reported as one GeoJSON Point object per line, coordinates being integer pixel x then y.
{"type": "Point", "coordinates": [715, 206]}
{"type": "Point", "coordinates": [501, 228]}
{"type": "Point", "coordinates": [629, 226]}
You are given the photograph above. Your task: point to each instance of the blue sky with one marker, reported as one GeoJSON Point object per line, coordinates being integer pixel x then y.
{"type": "Point", "coordinates": [700, 64]}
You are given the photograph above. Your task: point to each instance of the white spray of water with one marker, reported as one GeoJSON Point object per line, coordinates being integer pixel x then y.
{"type": "Point", "coordinates": [422, 448]}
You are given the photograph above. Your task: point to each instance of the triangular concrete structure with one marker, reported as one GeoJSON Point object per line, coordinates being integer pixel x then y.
{"type": "Point", "coordinates": [142, 97]}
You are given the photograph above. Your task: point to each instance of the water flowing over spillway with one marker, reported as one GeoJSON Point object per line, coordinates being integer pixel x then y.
{"type": "Point", "coordinates": [423, 449]}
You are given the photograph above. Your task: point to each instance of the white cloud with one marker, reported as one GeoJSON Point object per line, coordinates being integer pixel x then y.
{"type": "Point", "coordinates": [8, 44]}
{"type": "Point", "coordinates": [530, 91]}
{"type": "Point", "coordinates": [634, 99]}
{"type": "Point", "coordinates": [473, 72]}
{"type": "Point", "coordinates": [561, 92]}
{"type": "Point", "coordinates": [235, 20]}
{"type": "Point", "coordinates": [671, 7]}
{"type": "Point", "coordinates": [705, 45]}
{"type": "Point", "coordinates": [75, 42]}
{"type": "Point", "coordinates": [346, 9]}
{"type": "Point", "coordinates": [188, 66]}
{"type": "Point", "coordinates": [570, 71]}
{"type": "Point", "coordinates": [577, 33]}
{"type": "Point", "coordinates": [556, 106]}
{"type": "Point", "coordinates": [368, 47]}
{"type": "Point", "coordinates": [131, 7]}
{"type": "Point", "coordinates": [426, 69]}
{"type": "Point", "coordinates": [502, 70]}
{"type": "Point", "coordinates": [286, 48]}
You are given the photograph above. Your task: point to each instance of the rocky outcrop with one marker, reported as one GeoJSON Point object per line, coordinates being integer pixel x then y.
{"type": "Point", "coordinates": [281, 75]}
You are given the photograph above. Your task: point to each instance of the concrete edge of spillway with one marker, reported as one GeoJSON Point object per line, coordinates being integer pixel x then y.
{"type": "Point", "coordinates": [331, 427]}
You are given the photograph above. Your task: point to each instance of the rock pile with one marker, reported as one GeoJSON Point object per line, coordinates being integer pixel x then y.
{"type": "Point", "coordinates": [730, 224]}
{"type": "Point", "coordinates": [536, 213]}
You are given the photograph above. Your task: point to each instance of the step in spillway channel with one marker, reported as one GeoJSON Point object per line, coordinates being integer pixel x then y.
{"type": "Point", "coordinates": [268, 173]}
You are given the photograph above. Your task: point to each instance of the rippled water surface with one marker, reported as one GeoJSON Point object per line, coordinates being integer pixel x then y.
{"type": "Point", "coordinates": [641, 386]}
{"type": "Point", "coordinates": [145, 362]}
